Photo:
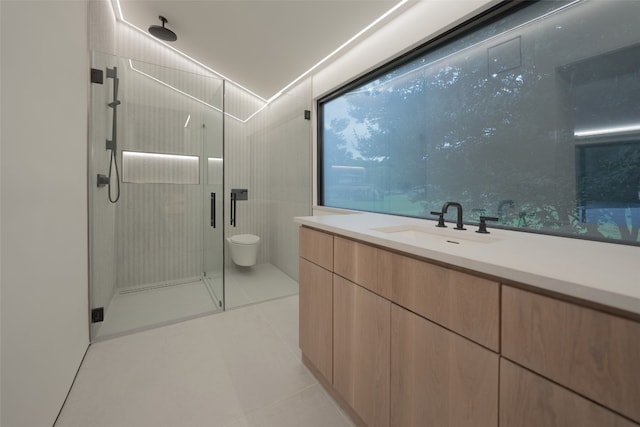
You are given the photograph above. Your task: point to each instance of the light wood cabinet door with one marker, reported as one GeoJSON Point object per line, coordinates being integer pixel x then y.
{"type": "Point", "coordinates": [439, 378]}
{"type": "Point", "coordinates": [466, 304]}
{"type": "Point", "coordinates": [365, 265]}
{"type": "Point", "coordinates": [316, 246]}
{"type": "Point", "coordinates": [361, 334]}
{"type": "Point", "coordinates": [528, 400]}
{"type": "Point", "coordinates": [593, 353]}
{"type": "Point", "coordinates": [316, 317]}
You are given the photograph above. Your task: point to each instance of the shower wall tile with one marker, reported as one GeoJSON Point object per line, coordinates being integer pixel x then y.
{"type": "Point", "coordinates": [270, 155]}
{"type": "Point", "coordinates": [246, 167]}
{"type": "Point", "coordinates": [289, 139]}
{"type": "Point", "coordinates": [158, 233]}
{"type": "Point", "coordinates": [160, 226]}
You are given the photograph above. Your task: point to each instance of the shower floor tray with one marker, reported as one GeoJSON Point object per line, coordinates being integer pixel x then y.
{"type": "Point", "coordinates": [139, 308]}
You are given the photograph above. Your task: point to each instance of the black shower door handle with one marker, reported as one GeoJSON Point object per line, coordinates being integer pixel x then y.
{"type": "Point", "coordinates": [213, 210]}
{"type": "Point", "coordinates": [233, 209]}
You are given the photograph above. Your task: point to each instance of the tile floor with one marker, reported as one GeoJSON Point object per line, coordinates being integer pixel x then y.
{"type": "Point", "coordinates": [237, 368]}
{"type": "Point", "coordinates": [256, 284]}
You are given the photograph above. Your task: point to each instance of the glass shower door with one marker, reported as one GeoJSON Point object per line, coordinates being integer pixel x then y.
{"type": "Point", "coordinates": [155, 170]}
{"type": "Point", "coordinates": [213, 204]}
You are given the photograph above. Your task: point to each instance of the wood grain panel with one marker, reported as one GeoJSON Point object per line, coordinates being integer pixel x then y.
{"type": "Point", "coordinates": [364, 265]}
{"type": "Point", "coordinates": [316, 316]}
{"type": "Point", "coordinates": [361, 334]}
{"type": "Point", "coordinates": [317, 247]}
{"type": "Point", "coordinates": [439, 378]}
{"type": "Point", "coordinates": [461, 302]}
{"type": "Point", "coordinates": [594, 353]}
{"type": "Point", "coordinates": [528, 400]}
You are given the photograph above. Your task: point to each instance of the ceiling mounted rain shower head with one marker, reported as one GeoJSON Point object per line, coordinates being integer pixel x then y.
{"type": "Point", "coordinates": [161, 32]}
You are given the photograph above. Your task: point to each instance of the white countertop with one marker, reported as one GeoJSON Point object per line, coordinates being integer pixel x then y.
{"type": "Point", "coordinates": [604, 273]}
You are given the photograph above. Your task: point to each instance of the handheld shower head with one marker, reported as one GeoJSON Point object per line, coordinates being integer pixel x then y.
{"type": "Point", "coordinates": [161, 32]}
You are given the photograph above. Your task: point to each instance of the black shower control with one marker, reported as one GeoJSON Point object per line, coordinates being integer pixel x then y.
{"type": "Point", "coordinates": [240, 193]}
{"type": "Point", "coordinates": [103, 180]}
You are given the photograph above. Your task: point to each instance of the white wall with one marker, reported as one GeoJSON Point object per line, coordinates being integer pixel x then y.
{"type": "Point", "coordinates": [421, 21]}
{"type": "Point", "coordinates": [44, 317]}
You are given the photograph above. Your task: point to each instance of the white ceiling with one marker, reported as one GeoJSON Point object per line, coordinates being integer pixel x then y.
{"type": "Point", "coordinates": [261, 44]}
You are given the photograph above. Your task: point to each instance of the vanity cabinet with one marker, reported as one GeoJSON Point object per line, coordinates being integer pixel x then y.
{"type": "Point", "coordinates": [361, 338]}
{"type": "Point", "coordinates": [593, 353]}
{"type": "Point", "coordinates": [529, 400]}
{"type": "Point", "coordinates": [461, 302]}
{"type": "Point", "coordinates": [405, 341]}
{"type": "Point", "coordinates": [317, 247]}
{"type": "Point", "coordinates": [368, 266]}
{"type": "Point", "coordinates": [439, 378]}
{"type": "Point", "coordinates": [316, 300]}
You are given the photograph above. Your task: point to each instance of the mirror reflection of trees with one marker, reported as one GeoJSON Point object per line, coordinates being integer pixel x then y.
{"type": "Point", "coordinates": [492, 127]}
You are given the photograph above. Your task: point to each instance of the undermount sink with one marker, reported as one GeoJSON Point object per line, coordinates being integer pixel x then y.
{"type": "Point", "coordinates": [431, 234]}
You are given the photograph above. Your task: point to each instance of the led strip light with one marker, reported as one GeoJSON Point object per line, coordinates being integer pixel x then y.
{"type": "Point", "coordinates": [117, 10]}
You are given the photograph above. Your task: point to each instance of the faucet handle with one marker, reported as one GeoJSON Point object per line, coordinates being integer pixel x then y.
{"type": "Point", "coordinates": [482, 227]}
{"type": "Point", "coordinates": [440, 218]}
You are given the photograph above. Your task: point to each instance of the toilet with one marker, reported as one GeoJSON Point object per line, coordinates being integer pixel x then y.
{"type": "Point", "coordinates": [244, 249]}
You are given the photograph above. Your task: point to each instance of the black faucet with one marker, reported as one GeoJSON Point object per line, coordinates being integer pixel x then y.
{"type": "Point", "coordinates": [441, 223]}
{"type": "Point", "coordinates": [456, 205]}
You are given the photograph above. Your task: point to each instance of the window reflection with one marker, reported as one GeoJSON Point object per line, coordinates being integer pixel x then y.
{"type": "Point", "coordinates": [540, 108]}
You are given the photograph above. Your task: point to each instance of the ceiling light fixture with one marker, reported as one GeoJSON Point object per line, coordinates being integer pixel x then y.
{"type": "Point", "coordinates": [345, 44]}
{"type": "Point", "coordinates": [612, 130]}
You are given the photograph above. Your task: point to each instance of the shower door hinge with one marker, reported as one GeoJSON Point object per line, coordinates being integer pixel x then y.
{"type": "Point", "coordinates": [97, 76]}
{"type": "Point", "coordinates": [97, 315]}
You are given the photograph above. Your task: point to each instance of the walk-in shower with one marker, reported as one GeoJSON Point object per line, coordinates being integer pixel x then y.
{"type": "Point", "coordinates": [155, 258]}
{"type": "Point", "coordinates": [164, 156]}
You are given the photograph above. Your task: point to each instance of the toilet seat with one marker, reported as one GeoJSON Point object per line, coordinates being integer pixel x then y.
{"type": "Point", "coordinates": [244, 239]}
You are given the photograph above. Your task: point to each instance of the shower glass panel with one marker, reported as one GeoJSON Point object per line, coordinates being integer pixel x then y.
{"type": "Point", "coordinates": [213, 204]}
{"type": "Point", "coordinates": [268, 154]}
{"type": "Point", "coordinates": [157, 252]}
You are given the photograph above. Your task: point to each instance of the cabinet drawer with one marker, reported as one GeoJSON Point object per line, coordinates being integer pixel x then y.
{"type": "Point", "coordinates": [317, 247]}
{"type": "Point", "coordinates": [594, 353]}
{"type": "Point", "coordinates": [439, 378]}
{"type": "Point", "coordinates": [461, 302]}
{"type": "Point", "coordinates": [364, 265]}
{"type": "Point", "coordinates": [528, 400]}
{"type": "Point", "coordinates": [316, 317]}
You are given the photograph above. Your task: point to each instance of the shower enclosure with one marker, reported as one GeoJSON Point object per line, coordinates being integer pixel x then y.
{"type": "Point", "coordinates": [166, 149]}
{"type": "Point", "coordinates": [156, 202]}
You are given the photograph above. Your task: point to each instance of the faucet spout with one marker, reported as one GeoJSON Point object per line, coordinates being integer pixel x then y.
{"type": "Point", "coordinates": [458, 206]}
